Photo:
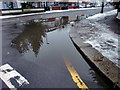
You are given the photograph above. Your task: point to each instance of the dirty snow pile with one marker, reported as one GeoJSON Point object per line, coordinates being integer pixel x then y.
{"type": "Point", "coordinates": [103, 39]}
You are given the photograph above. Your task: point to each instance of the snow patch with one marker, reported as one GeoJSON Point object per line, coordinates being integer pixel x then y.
{"type": "Point", "coordinates": [102, 15]}
{"type": "Point", "coordinates": [102, 38]}
{"type": "Point", "coordinates": [7, 73]}
{"type": "Point", "coordinates": [106, 42]}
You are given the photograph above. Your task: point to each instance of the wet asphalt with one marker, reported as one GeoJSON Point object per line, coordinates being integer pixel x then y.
{"type": "Point", "coordinates": [36, 49]}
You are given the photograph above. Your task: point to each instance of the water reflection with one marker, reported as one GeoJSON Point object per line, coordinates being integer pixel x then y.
{"type": "Point", "coordinates": [31, 39]}
{"type": "Point", "coordinates": [54, 23]}
{"type": "Point", "coordinates": [96, 78]}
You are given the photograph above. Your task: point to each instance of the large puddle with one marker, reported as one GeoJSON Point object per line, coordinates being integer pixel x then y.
{"type": "Point", "coordinates": [45, 43]}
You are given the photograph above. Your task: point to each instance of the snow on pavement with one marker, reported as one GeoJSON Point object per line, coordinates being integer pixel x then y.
{"type": "Point", "coordinates": [106, 42]}
{"type": "Point", "coordinates": [103, 39]}
{"type": "Point", "coordinates": [102, 15]}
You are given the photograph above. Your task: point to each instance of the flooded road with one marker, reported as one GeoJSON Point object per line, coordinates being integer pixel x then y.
{"type": "Point", "coordinates": [36, 49]}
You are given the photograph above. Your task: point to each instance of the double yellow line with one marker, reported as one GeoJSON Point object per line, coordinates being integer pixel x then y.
{"type": "Point", "coordinates": [76, 78]}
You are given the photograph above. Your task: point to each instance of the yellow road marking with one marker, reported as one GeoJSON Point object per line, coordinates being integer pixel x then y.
{"type": "Point", "coordinates": [76, 78]}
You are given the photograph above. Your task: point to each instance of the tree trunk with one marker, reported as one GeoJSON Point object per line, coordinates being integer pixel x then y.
{"type": "Point", "coordinates": [102, 9]}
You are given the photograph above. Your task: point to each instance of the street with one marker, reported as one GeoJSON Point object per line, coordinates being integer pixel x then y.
{"type": "Point", "coordinates": [38, 49]}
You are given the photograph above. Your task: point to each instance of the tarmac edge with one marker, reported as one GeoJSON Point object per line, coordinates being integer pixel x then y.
{"type": "Point", "coordinates": [103, 66]}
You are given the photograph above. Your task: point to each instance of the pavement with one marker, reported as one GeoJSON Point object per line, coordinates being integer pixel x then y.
{"type": "Point", "coordinates": [103, 65]}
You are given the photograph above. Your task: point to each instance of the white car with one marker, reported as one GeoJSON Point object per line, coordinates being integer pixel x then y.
{"type": "Point", "coordinates": [81, 5]}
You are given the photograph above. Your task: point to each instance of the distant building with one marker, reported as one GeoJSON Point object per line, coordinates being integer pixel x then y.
{"type": "Point", "coordinates": [10, 5]}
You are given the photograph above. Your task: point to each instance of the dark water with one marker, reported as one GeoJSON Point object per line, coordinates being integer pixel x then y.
{"type": "Point", "coordinates": [45, 43]}
{"type": "Point", "coordinates": [34, 35]}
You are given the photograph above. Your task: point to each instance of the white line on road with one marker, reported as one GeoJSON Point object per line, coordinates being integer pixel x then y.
{"type": "Point", "coordinates": [7, 73]}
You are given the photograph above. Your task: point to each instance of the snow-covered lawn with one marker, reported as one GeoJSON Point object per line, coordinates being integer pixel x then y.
{"type": "Point", "coordinates": [103, 39]}
{"type": "Point", "coordinates": [102, 15]}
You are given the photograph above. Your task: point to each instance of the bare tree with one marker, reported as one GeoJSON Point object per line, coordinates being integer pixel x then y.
{"type": "Point", "coordinates": [102, 3]}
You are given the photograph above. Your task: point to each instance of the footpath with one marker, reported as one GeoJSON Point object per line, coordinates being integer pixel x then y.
{"type": "Point", "coordinates": [97, 40]}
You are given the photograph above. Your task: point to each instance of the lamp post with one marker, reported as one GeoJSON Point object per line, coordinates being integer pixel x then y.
{"type": "Point", "coordinates": [78, 3]}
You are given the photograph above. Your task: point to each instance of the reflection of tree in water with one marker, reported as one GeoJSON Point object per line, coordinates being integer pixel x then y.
{"type": "Point", "coordinates": [97, 79]}
{"type": "Point", "coordinates": [62, 21]}
{"type": "Point", "coordinates": [30, 38]}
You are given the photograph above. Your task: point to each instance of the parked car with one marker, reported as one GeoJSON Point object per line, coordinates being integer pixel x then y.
{"type": "Point", "coordinates": [64, 7]}
{"type": "Point", "coordinates": [93, 4]}
{"type": "Point", "coordinates": [88, 6]}
{"type": "Point", "coordinates": [98, 5]}
{"type": "Point", "coordinates": [81, 5]}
